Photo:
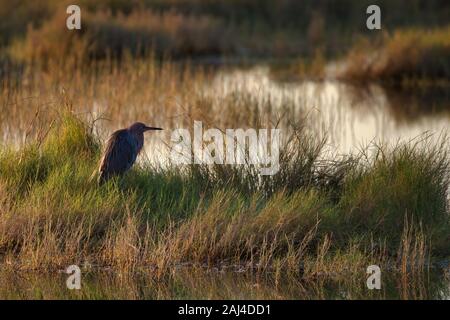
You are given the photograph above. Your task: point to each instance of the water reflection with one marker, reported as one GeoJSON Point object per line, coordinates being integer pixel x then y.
{"type": "Point", "coordinates": [352, 116]}
{"type": "Point", "coordinates": [188, 284]}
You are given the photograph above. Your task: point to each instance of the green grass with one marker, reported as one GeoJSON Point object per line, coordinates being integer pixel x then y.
{"type": "Point", "coordinates": [317, 216]}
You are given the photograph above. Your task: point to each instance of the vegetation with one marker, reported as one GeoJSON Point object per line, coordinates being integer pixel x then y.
{"type": "Point", "coordinates": [313, 217]}
{"type": "Point", "coordinates": [303, 37]}
{"type": "Point", "coordinates": [405, 57]}
{"type": "Point", "coordinates": [321, 216]}
{"type": "Point", "coordinates": [181, 28]}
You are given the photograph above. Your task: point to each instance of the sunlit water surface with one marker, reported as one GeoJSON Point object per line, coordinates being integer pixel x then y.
{"type": "Point", "coordinates": [351, 117]}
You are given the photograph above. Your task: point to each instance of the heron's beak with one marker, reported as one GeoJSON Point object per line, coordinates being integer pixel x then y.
{"type": "Point", "coordinates": [152, 128]}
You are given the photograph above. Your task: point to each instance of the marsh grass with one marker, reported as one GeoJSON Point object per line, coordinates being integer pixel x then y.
{"type": "Point", "coordinates": [317, 217]}
{"type": "Point", "coordinates": [196, 29]}
{"type": "Point", "coordinates": [201, 284]}
{"type": "Point", "coordinates": [405, 57]}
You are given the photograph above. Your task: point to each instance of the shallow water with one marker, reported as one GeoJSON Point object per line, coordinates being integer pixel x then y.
{"type": "Point", "coordinates": [351, 116]}
{"type": "Point", "coordinates": [212, 284]}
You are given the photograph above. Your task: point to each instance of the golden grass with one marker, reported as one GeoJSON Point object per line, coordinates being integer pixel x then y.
{"type": "Point", "coordinates": [314, 217]}
{"type": "Point", "coordinates": [392, 208]}
{"type": "Point", "coordinates": [414, 56]}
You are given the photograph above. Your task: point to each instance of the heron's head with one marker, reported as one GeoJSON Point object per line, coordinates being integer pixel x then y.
{"type": "Point", "coordinates": [139, 128]}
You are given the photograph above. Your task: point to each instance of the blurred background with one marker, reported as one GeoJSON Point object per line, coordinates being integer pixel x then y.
{"type": "Point", "coordinates": [205, 28]}
{"type": "Point", "coordinates": [230, 63]}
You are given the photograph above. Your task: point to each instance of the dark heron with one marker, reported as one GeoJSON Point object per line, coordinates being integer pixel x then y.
{"type": "Point", "coordinates": [121, 150]}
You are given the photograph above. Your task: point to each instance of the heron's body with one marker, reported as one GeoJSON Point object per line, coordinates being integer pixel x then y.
{"type": "Point", "coordinates": [121, 151]}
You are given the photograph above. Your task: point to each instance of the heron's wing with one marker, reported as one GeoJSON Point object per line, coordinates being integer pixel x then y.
{"type": "Point", "coordinates": [120, 154]}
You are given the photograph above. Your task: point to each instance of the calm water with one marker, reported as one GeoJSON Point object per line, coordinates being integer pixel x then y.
{"type": "Point", "coordinates": [351, 116]}
{"type": "Point", "coordinates": [187, 284]}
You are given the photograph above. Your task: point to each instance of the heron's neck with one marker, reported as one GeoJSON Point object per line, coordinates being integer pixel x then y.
{"type": "Point", "coordinates": [139, 138]}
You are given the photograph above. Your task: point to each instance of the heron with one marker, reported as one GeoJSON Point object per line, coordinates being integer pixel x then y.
{"type": "Point", "coordinates": [121, 151]}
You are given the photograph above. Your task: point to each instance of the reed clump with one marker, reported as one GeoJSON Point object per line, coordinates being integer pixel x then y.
{"type": "Point", "coordinates": [385, 207]}
{"type": "Point", "coordinates": [405, 57]}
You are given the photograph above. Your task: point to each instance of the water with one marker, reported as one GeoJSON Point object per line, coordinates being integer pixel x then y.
{"type": "Point", "coordinates": [214, 284]}
{"type": "Point", "coordinates": [351, 116]}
